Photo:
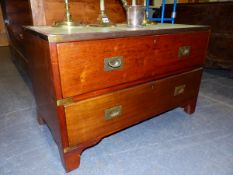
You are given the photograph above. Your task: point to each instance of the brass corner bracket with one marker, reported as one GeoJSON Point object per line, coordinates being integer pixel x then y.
{"type": "Point", "coordinates": [65, 101]}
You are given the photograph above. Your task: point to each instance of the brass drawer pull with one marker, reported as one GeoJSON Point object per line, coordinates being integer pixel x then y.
{"type": "Point", "coordinates": [113, 63]}
{"type": "Point", "coordinates": [179, 90]}
{"type": "Point", "coordinates": [112, 112]}
{"type": "Point", "coordinates": [184, 51]}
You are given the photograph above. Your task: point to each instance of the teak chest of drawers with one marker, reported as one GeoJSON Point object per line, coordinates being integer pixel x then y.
{"type": "Point", "coordinates": [92, 84]}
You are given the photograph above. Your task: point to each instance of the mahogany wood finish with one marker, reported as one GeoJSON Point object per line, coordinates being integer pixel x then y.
{"type": "Point", "coordinates": [154, 79]}
{"type": "Point", "coordinates": [151, 73]}
{"type": "Point", "coordinates": [157, 60]}
{"type": "Point", "coordinates": [43, 85]}
{"type": "Point", "coordinates": [71, 158]}
{"type": "Point", "coordinates": [219, 16]}
{"type": "Point", "coordinates": [190, 106]}
{"type": "Point", "coordinates": [17, 13]}
{"type": "Point", "coordinates": [86, 121]}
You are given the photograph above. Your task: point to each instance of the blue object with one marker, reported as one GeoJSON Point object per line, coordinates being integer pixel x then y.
{"type": "Point", "coordinates": [162, 19]}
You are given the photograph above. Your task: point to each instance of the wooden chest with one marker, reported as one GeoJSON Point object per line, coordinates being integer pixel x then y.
{"type": "Point", "coordinates": [88, 86]}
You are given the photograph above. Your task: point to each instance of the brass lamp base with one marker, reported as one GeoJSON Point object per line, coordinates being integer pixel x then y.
{"type": "Point", "coordinates": [66, 24]}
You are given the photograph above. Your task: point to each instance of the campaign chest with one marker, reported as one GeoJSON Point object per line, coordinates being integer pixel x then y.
{"type": "Point", "coordinates": [89, 83]}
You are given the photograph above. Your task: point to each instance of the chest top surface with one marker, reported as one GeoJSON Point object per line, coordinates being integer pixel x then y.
{"type": "Point", "coordinates": [57, 35]}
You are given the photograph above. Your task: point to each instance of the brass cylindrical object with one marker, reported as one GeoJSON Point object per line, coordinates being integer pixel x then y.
{"type": "Point", "coordinates": [68, 22]}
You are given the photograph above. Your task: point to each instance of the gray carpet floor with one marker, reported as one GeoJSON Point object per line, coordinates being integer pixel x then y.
{"type": "Point", "coordinates": [173, 143]}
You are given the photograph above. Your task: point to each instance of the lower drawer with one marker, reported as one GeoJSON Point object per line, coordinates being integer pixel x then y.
{"type": "Point", "coordinates": [103, 115]}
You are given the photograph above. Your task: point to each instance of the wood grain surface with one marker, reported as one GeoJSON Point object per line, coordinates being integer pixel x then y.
{"type": "Point", "coordinates": [81, 64]}
{"type": "Point", "coordinates": [85, 119]}
{"type": "Point", "coordinates": [42, 78]}
{"type": "Point", "coordinates": [153, 79]}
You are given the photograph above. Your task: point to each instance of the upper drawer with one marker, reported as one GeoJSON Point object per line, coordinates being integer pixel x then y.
{"type": "Point", "coordinates": [87, 66]}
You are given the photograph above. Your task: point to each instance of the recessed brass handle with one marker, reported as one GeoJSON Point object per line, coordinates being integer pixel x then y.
{"type": "Point", "coordinates": [184, 51]}
{"type": "Point", "coordinates": [112, 112]}
{"type": "Point", "coordinates": [113, 63]}
{"type": "Point", "coordinates": [179, 90]}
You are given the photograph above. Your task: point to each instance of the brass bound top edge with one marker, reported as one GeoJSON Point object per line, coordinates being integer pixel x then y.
{"type": "Point", "coordinates": [65, 101]}
{"type": "Point", "coordinates": [58, 35]}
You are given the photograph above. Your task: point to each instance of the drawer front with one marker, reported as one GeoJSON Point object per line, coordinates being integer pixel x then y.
{"type": "Point", "coordinates": [106, 114]}
{"type": "Point", "coordinates": [88, 66]}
